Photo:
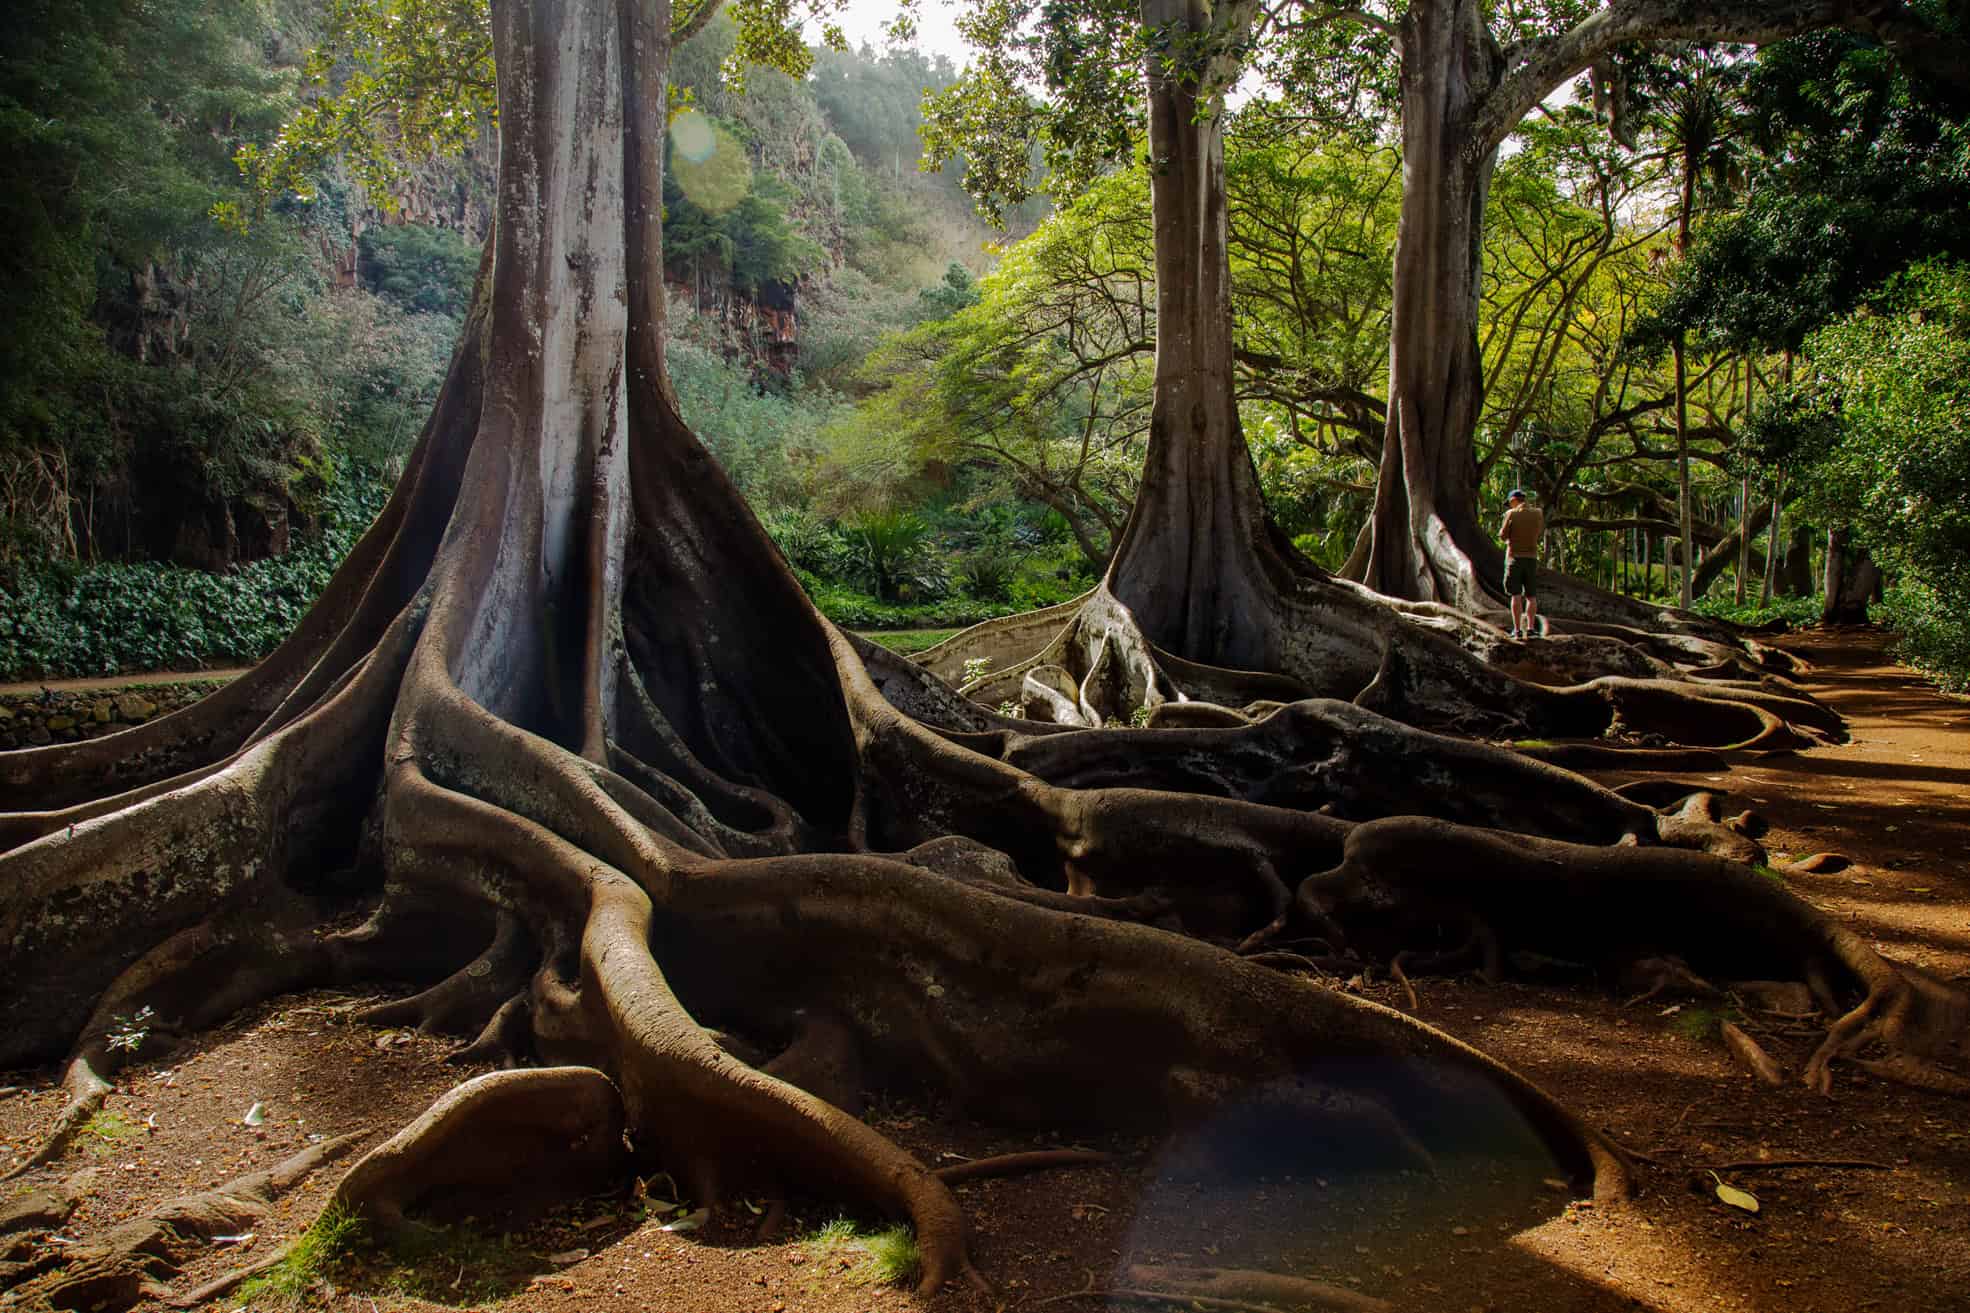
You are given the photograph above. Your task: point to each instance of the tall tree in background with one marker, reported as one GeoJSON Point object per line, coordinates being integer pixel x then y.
{"type": "Point", "coordinates": [1201, 572]}
{"type": "Point", "coordinates": [1862, 171]}
{"type": "Point", "coordinates": [1467, 78]}
{"type": "Point", "coordinates": [1690, 107]}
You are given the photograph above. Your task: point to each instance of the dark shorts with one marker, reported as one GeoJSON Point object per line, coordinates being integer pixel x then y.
{"type": "Point", "coordinates": [1522, 576]}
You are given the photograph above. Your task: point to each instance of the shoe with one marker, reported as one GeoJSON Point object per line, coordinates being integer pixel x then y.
{"type": "Point", "coordinates": [1516, 636]}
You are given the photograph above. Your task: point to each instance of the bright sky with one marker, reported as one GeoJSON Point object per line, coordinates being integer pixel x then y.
{"type": "Point", "coordinates": [937, 30]}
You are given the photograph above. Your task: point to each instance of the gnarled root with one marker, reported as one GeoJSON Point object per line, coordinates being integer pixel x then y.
{"type": "Point", "coordinates": [1909, 1013]}
{"type": "Point", "coordinates": [502, 1141]}
{"type": "Point", "coordinates": [129, 1262]}
{"type": "Point", "coordinates": [1569, 900]}
{"type": "Point", "coordinates": [1425, 665]}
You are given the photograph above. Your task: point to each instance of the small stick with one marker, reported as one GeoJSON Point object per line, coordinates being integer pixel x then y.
{"type": "Point", "coordinates": [1750, 1056]}
{"type": "Point", "coordinates": [1190, 1301]}
{"type": "Point", "coordinates": [1014, 1164]}
{"type": "Point", "coordinates": [1778, 1164]}
{"type": "Point", "coordinates": [1395, 969]}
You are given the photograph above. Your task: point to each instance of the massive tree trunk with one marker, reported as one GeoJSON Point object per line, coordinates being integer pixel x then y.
{"type": "Point", "coordinates": [567, 731]}
{"type": "Point", "coordinates": [1430, 542]}
{"type": "Point", "coordinates": [1199, 558]}
{"type": "Point", "coordinates": [1427, 544]}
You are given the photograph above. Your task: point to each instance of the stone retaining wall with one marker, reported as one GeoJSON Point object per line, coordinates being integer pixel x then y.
{"type": "Point", "coordinates": [56, 715]}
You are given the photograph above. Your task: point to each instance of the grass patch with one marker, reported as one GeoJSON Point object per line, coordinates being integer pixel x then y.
{"type": "Point", "coordinates": [315, 1251]}
{"type": "Point", "coordinates": [1702, 1024]}
{"type": "Point", "coordinates": [1770, 873]}
{"type": "Point", "coordinates": [906, 642]}
{"type": "Point", "coordinates": [106, 1130]}
{"type": "Point", "coordinates": [1532, 743]}
{"type": "Point", "coordinates": [889, 1256]}
{"type": "Point", "coordinates": [441, 1264]}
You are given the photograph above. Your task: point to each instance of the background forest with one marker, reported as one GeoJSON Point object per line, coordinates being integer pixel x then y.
{"type": "Point", "coordinates": [940, 421]}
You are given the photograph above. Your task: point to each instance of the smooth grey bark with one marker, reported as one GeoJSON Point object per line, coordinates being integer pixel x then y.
{"type": "Point", "coordinates": [1198, 555]}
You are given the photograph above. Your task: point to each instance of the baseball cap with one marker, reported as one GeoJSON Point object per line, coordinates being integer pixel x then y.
{"type": "Point", "coordinates": [1516, 492]}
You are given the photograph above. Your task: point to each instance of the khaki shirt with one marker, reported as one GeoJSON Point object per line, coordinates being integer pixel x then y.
{"type": "Point", "coordinates": [1522, 529]}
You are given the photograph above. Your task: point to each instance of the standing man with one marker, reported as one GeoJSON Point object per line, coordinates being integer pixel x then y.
{"type": "Point", "coordinates": [1523, 527]}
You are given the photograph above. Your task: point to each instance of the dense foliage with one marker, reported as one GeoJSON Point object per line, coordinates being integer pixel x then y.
{"type": "Point", "coordinates": [142, 616]}
{"type": "Point", "coordinates": [936, 421]}
{"type": "Point", "coordinates": [1882, 442]}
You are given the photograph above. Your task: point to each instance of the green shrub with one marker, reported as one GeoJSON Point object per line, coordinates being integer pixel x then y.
{"type": "Point", "coordinates": [1929, 635]}
{"type": "Point", "coordinates": [1041, 582]}
{"type": "Point", "coordinates": [72, 621]}
{"type": "Point", "coordinates": [1793, 611]}
{"type": "Point", "coordinates": [895, 557]}
{"type": "Point", "coordinates": [988, 575]}
{"type": "Point", "coordinates": [809, 542]}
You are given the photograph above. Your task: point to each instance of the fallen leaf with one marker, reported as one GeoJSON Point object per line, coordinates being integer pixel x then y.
{"type": "Point", "coordinates": [1735, 1197]}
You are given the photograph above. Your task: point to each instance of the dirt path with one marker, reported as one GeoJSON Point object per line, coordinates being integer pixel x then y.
{"type": "Point", "coordinates": [1484, 1235]}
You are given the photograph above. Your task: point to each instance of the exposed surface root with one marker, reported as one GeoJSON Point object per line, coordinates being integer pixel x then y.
{"type": "Point", "coordinates": [85, 1091]}
{"type": "Point", "coordinates": [131, 1260]}
{"type": "Point", "coordinates": [558, 1132]}
{"type": "Point", "coordinates": [1425, 665]}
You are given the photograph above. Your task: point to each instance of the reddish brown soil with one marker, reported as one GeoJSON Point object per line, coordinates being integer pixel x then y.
{"type": "Point", "coordinates": [1482, 1236]}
